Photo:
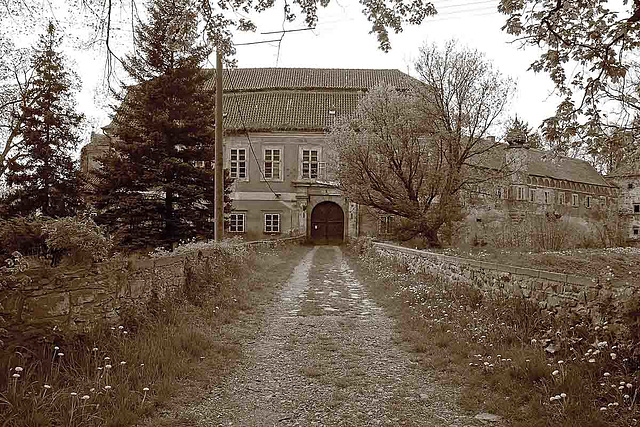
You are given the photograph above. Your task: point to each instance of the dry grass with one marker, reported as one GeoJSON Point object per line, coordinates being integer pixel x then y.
{"type": "Point", "coordinates": [117, 375]}
{"type": "Point", "coordinates": [498, 349]}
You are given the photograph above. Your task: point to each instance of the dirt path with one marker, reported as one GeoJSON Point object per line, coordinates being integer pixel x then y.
{"type": "Point", "coordinates": [325, 356]}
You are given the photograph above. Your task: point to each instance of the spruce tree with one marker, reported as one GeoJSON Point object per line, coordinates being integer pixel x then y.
{"type": "Point", "coordinates": [44, 180]}
{"type": "Point", "coordinates": [150, 191]}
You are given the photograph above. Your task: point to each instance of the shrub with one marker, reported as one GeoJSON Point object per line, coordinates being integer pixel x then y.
{"type": "Point", "coordinates": [77, 237]}
{"type": "Point", "coordinates": [23, 235]}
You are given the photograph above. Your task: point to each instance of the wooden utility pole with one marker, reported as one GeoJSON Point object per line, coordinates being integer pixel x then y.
{"type": "Point", "coordinates": [219, 152]}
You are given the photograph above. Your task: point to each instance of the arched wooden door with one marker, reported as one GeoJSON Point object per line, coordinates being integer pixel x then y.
{"type": "Point", "coordinates": [327, 223]}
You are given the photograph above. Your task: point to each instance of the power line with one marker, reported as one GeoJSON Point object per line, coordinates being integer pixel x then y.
{"type": "Point", "coordinates": [246, 132]}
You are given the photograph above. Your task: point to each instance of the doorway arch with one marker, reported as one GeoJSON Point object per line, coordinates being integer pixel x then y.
{"type": "Point", "coordinates": [327, 223]}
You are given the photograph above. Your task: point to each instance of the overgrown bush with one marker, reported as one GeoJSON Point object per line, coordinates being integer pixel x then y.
{"type": "Point", "coordinates": [78, 238]}
{"type": "Point", "coordinates": [24, 235]}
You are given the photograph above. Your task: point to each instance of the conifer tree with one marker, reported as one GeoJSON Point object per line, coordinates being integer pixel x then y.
{"type": "Point", "coordinates": [150, 191]}
{"type": "Point", "coordinates": [44, 179]}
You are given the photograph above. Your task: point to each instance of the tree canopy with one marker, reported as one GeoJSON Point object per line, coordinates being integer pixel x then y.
{"type": "Point", "coordinates": [589, 52]}
{"type": "Point", "coordinates": [410, 154]}
{"type": "Point", "coordinates": [153, 188]}
{"type": "Point", "coordinates": [41, 177]}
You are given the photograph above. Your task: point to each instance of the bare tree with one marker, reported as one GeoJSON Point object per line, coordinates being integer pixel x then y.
{"type": "Point", "coordinates": [410, 154]}
{"type": "Point", "coordinates": [15, 95]}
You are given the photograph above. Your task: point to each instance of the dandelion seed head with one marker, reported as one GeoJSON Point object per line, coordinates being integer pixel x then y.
{"type": "Point", "coordinates": [56, 348]}
{"type": "Point", "coordinates": [145, 389]}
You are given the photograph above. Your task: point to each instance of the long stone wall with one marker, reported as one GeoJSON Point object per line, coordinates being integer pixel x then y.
{"type": "Point", "coordinates": [74, 298]}
{"type": "Point", "coordinates": [556, 292]}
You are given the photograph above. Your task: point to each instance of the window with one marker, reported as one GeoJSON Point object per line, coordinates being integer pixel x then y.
{"type": "Point", "coordinates": [587, 202]}
{"type": "Point", "coordinates": [520, 193]}
{"type": "Point", "coordinates": [238, 163]}
{"type": "Point", "coordinates": [499, 193]}
{"type": "Point", "coordinates": [272, 163]}
{"type": "Point", "coordinates": [310, 164]}
{"type": "Point", "coordinates": [574, 199]}
{"type": "Point", "coordinates": [199, 163]}
{"type": "Point", "coordinates": [561, 198]}
{"type": "Point", "coordinates": [546, 197]}
{"type": "Point", "coordinates": [636, 230]}
{"type": "Point", "coordinates": [532, 195]}
{"type": "Point", "coordinates": [236, 223]}
{"type": "Point", "coordinates": [636, 208]}
{"type": "Point", "coordinates": [630, 186]}
{"type": "Point", "coordinates": [271, 223]}
{"type": "Point", "coordinates": [386, 224]}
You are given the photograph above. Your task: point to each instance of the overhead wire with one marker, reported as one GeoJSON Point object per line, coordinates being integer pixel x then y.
{"type": "Point", "coordinates": [246, 132]}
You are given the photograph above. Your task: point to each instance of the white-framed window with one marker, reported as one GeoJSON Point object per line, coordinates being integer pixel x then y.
{"type": "Point", "coordinates": [561, 198]}
{"type": "Point", "coordinates": [636, 208]}
{"type": "Point", "coordinates": [499, 192]}
{"type": "Point", "coordinates": [310, 164]}
{"type": "Point", "coordinates": [574, 200]}
{"type": "Point", "coordinates": [199, 164]}
{"type": "Point", "coordinates": [532, 195]}
{"type": "Point", "coordinates": [272, 163]}
{"type": "Point", "coordinates": [386, 224]}
{"type": "Point", "coordinates": [238, 163]}
{"type": "Point", "coordinates": [546, 197]}
{"type": "Point", "coordinates": [236, 223]}
{"type": "Point", "coordinates": [520, 193]}
{"type": "Point", "coordinates": [271, 223]}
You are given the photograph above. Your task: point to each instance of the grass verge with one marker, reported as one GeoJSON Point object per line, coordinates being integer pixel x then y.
{"type": "Point", "coordinates": [118, 375]}
{"type": "Point", "coordinates": [527, 365]}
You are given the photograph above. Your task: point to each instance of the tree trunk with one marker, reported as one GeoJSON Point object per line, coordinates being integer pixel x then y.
{"type": "Point", "coordinates": [431, 238]}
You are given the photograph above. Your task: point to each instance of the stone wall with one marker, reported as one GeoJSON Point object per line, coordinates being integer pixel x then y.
{"type": "Point", "coordinates": [73, 298]}
{"type": "Point", "coordinates": [556, 292]}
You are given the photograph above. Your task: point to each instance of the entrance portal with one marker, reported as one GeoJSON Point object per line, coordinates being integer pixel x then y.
{"type": "Point", "coordinates": [327, 223]}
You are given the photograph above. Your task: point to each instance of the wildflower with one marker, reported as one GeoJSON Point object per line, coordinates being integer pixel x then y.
{"type": "Point", "coordinates": [606, 374]}
{"type": "Point", "coordinates": [121, 327]}
{"type": "Point", "coordinates": [560, 362]}
{"type": "Point", "coordinates": [592, 360]}
{"type": "Point", "coordinates": [622, 383]}
{"type": "Point", "coordinates": [621, 387]}
{"type": "Point", "coordinates": [527, 360]}
{"type": "Point", "coordinates": [56, 348]}
{"type": "Point", "coordinates": [47, 386]}
{"type": "Point", "coordinates": [629, 385]}
{"type": "Point", "coordinates": [603, 408]}
{"type": "Point", "coordinates": [533, 341]}
{"type": "Point", "coordinates": [73, 393]}
{"type": "Point", "coordinates": [626, 396]}
{"type": "Point", "coordinates": [85, 397]}
{"type": "Point", "coordinates": [125, 332]}
{"type": "Point", "coordinates": [16, 375]}
{"type": "Point", "coordinates": [145, 389]}
{"type": "Point", "coordinates": [142, 365]}
{"type": "Point", "coordinates": [613, 356]}
{"type": "Point", "coordinates": [92, 390]}
{"type": "Point", "coordinates": [18, 369]}
{"type": "Point", "coordinates": [107, 358]}
{"type": "Point", "coordinates": [563, 395]}
{"type": "Point", "coordinates": [99, 368]}
{"type": "Point", "coordinates": [556, 372]}
{"type": "Point", "coordinates": [95, 348]}
{"type": "Point", "coordinates": [107, 387]}
{"type": "Point", "coordinates": [107, 366]}
{"type": "Point", "coordinates": [61, 354]}
{"type": "Point", "coordinates": [123, 363]}
{"type": "Point", "coordinates": [603, 344]}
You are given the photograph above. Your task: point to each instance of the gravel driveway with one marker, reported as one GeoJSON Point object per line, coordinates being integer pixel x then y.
{"type": "Point", "coordinates": [325, 356]}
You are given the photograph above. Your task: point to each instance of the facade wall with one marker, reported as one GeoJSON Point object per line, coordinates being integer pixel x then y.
{"type": "Point", "coordinates": [629, 205]}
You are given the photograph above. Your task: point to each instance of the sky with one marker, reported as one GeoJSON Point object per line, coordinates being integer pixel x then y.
{"type": "Point", "coordinates": [342, 40]}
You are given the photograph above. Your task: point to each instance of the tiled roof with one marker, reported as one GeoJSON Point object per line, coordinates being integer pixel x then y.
{"type": "Point", "coordinates": [287, 110]}
{"type": "Point", "coordinates": [545, 164]}
{"type": "Point", "coordinates": [267, 99]}
{"type": "Point", "coordinates": [257, 79]}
